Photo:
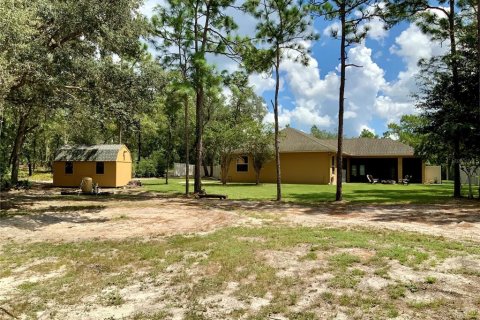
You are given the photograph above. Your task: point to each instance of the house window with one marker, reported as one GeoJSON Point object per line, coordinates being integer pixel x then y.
{"type": "Point", "coordinates": [333, 162]}
{"type": "Point", "coordinates": [68, 167]}
{"type": "Point", "coordinates": [354, 170]}
{"type": "Point", "coordinates": [242, 164]}
{"type": "Point", "coordinates": [362, 169]}
{"type": "Point", "coordinates": [100, 168]}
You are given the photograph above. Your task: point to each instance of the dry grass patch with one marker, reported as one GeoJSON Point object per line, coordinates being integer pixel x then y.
{"type": "Point", "coordinates": [248, 273]}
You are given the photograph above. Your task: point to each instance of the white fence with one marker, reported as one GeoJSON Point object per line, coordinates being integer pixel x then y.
{"type": "Point", "coordinates": [179, 170]}
{"type": "Point", "coordinates": [217, 172]}
{"type": "Point", "coordinates": [475, 178]}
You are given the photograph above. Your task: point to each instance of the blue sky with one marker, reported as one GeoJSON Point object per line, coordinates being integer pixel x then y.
{"type": "Point", "coordinates": [377, 93]}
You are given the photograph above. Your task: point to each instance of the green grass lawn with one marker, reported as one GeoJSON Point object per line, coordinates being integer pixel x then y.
{"type": "Point", "coordinates": [307, 193]}
{"type": "Point", "coordinates": [41, 174]}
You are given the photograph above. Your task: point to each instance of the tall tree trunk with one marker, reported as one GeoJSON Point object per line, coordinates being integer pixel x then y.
{"type": "Point", "coordinates": [341, 102]}
{"type": "Point", "coordinates": [34, 151]}
{"type": "Point", "coordinates": [199, 139]}
{"type": "Point", "coordinates": [169, 153]}
{"type": "Point", "coordinates": [17, 147]}
{"type": "Point", "coordinates": [139, 142]}
{"type": "Point", "coordinates": [166, 170]}
{"type": "Point", "coordinates": [478, 70]}
{"type": "Point", "coordinates": [257, 176]}
{"type": "Point", "coordinates": [200, 92]}
{"type": "Point", "coordinates": [187, 149]}
{"type": "Point", "coordinates": [225, 161]}
{"type": "Point", "coordinates": [30, 165]}
{"type": "Point", "coordinates": [205, 168]}
{"type": "Point", "coordinates": [211, 168]}
{"type": "Point", "coordinates": [275, 111]}
{"type": "Point", "coordinates": [456, 90]}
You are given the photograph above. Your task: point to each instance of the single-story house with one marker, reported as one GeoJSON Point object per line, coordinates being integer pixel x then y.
{"type": "Point", "coordinates": [306, 159]}
{"type": "Point", "coordinates": [109, 165]}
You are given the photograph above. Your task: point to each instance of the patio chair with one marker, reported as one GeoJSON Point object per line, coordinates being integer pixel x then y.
{"type": "Point", "coordinates": [371, 179]}
{"type": "Point", "coordinates": [406, 180]}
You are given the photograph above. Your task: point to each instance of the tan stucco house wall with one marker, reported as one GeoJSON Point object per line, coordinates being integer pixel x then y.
{"type": "Point", "coordinates": [296, 167]}
{"type": "Point", "coordinates": [307, 160]}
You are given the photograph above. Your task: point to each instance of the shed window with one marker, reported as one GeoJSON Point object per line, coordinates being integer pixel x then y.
{"type": "Point", "coordinates": [68, 167]}
{"type": "Point", "coordinates": [100, 168]}
{"type": "Point", "coordinates": [333, 162]}
{"type": "Point", "coordinates": [242, 164]}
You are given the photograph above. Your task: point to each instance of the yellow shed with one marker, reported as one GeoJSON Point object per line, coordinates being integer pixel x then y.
{"type": "Point", "coordinates": [109, 165]}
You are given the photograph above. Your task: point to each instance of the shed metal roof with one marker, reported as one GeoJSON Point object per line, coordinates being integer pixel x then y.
{"type": "Point", "coordinates": [99, 152]}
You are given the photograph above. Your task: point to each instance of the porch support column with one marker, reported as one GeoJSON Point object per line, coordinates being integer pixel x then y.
{"type": "Point", "coordinates": [423, 172]}
{"type": "Point", "coordinates": [400, 168]}
{"type": "Point", "coordinates": [348, 170]}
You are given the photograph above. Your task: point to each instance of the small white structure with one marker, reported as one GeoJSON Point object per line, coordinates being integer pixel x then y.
{"type": "Point", "coordinates": [180, 169]}
{"type": "Point", "coordinates": [475, 178]}
{"type": "Point", "coordinates": [433, 174]}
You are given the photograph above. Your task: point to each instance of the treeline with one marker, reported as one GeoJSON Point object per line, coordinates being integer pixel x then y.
{"type": "Point", "coordinates": [86, 72]}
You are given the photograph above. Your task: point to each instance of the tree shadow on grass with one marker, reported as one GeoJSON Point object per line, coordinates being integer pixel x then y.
{"type": "Point", "coordinates": [21, 201]}
{"type": "Point", "coordinates": [438, 218]}
{"type": "Point", "coordinates": [312, 198]}
{"type": "Point", "coordinates": [413, 196]}
{"type": "Point", "coordinates": [38, 218]}
{"type": "Point", "coordinates": [444, 213]}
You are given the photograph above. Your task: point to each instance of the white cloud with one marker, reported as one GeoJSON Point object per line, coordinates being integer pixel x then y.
{"type": "Point", "coordinates": [317, 99]}
{"type": "Point", "coordinates": [396, 97]}
{"type": "Point", "coordinates": [367, 128]}
{"type": "Point", "coordinates": [333, 28]}
{"type": "Point", "coordinates": [284, 117]}
{"type": "Point", "coordinates": [147, 8]}
{"type": "Point", "coordinates": [367, 96]}
{"type": "Point", "coordinates": [315, 94]}
{"type": "Point", "coordinates": [261, 82]}
{"type": "Point", "coordinates": [376, 29]}
{"type": "Point", "coordinates": [300, 116]}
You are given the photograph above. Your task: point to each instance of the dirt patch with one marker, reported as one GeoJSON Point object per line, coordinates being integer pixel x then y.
{"type": "Point", "coordinates": [57, 220]}
{"type": "Point", "coordinates": [447, 220]}
{"type": "Point", "coordinates": [42, 216]}
{"type": "Point", "coordinates": [134, 213]}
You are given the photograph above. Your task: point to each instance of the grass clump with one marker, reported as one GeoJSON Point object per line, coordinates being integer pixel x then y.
{"type": "Point", "coordinates": [428, 304]}
{"type": "Point", "coordinates": [343, 260]}
{"type": "Point", "coordinates": [396, 291]}
{"type": "Point", "coordinates": [112, 298]}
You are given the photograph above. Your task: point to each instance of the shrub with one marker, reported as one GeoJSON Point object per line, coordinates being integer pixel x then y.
{"type": "Point", "coordinates": [152, 166]}
{"type": "Point", "coordinates": [23, 184]}
{"type": "Point", "coordinates": [5, 184]}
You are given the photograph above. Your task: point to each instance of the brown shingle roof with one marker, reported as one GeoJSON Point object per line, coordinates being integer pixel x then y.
{"type": "Point", "coordinates": [372, 147]}
{"type": "Point", "coordinates": [292, 140]}
{"type": "Point", "coordinates": [100, 152]}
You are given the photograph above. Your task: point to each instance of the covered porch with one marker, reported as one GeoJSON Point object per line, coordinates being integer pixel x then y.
{"type": "Point", "coordinates": [384, 168]}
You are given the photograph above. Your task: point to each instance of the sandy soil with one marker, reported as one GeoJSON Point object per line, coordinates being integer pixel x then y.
{"type": "Point", "coordinates": [41, 215]}
{"type": "Point", "coordinates": [50, 217]}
